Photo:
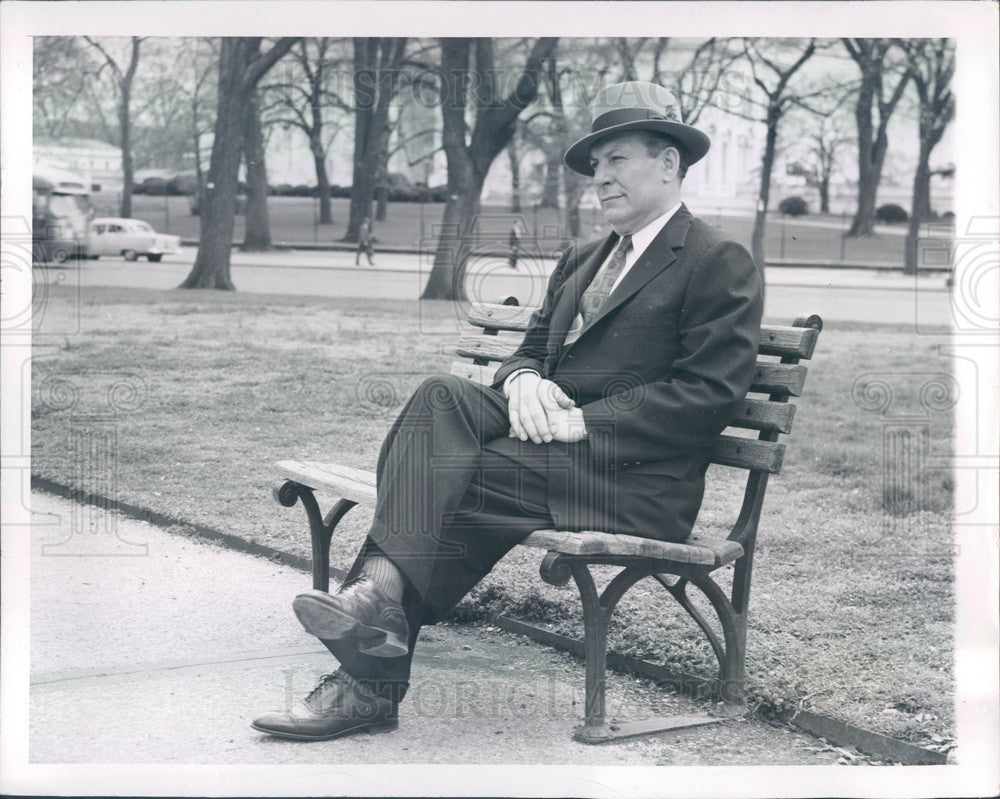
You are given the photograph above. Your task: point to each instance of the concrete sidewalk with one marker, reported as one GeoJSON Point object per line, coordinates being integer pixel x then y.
{"type": "Point", "coordinates": [164, 655]}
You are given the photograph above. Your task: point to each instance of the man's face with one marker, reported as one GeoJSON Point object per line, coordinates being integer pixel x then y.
{"type": "Point", "coordinates": [630, 183]}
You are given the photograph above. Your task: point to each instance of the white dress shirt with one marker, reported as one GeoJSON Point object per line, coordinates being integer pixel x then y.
{"type": "Point", "coordinates": [641, 239]}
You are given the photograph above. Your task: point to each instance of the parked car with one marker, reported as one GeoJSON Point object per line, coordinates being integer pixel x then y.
{"type": "Point", "coordinates": [130, 238]}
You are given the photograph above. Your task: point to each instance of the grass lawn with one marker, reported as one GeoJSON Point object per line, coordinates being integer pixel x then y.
{"type": "Point", "coordinates": [292, 220]}
{"type": "Point", "coordinates": [852, 607]}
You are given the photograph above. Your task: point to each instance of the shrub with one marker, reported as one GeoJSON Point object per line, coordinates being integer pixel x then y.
{"type": "Point", "coordinates": [793, 206]}
{"type": "Point", "coordinates": [155, 187]}
{"type": "Point", "coordinates": [182, 184]}
{"type": "Point", "coordinates": [891, 214]}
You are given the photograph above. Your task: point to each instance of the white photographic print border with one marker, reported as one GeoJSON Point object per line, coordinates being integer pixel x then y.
{"type": "Point", "coordinates": [973, 26]}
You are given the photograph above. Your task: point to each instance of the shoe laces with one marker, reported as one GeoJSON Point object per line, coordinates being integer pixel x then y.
{"type": "Point", "coordinates": [335, 681]}
{"type": "Point", "coordinates": [326, 684]}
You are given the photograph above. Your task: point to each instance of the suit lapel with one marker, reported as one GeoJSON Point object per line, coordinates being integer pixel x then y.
{"type": "Point", "coordinates": [656, 257]}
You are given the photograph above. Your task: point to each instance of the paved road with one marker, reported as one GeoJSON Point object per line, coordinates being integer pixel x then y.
{"type": "Point", "coordinates": [150, 647]}
{"type": "Point", "coordinates": [836, 294]}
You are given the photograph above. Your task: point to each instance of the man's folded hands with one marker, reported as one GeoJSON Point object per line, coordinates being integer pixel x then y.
{"type": "Point", "coordinates": [541, 411]}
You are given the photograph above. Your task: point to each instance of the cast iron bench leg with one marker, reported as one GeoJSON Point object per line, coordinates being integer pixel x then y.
{"type": "Point", "coordinates": [556, 569]}
{"type": "Point", "coordinates": [320, 529]}
{"type": "Point", "coordinates": [731, 650]}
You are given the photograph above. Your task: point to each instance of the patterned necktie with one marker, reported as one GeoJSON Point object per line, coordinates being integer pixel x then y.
{"type": "Point", "coordinates": [600, 287]}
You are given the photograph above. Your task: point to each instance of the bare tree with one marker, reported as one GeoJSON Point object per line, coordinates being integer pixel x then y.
{"type": "Point", "coordinates": [122, 70]}
{"type": "Point", "coordinates": [932, 64]}
{"type": "Point", "coordinates": [257, 235]}
{"type": "Point", "coordinates": [823, 136]}
{"type": "Point", "coordinates": [826, 141]}
{"type": "Point", "coordinates": [469, 156]}
{"type": "Point", "coordinates": [241, 66]}
{"type": "Point", "coordinates": [705, 79]}
{"type": "Point", "coordinates": [199, 60]}
{"type": "Point", "coordinates": [514, 160]}
{"type": "Point", "coordinates": [871, 56]}
{"type": "Point", "coordinates": [773, 79]}
{"type": "Point", "coordinates": [61, 69]}
{"type": "Point", "coordinates": [307, 99]}
{"type": "Point", "coordinates": [377, 67]}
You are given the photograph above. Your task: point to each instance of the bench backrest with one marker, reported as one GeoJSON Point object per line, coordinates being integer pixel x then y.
{"type": "Point", "coordinates": [766, 410]}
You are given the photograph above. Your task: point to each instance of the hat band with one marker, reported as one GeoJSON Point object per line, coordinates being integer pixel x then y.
{"type": "Point", "coordinates": [620, 116]}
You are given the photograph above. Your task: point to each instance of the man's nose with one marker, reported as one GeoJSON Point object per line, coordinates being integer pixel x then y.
{"type": "Point", "coordinates": [602, 176]}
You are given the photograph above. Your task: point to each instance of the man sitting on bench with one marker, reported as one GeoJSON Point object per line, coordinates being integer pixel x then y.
{"type": "Point", "coordinates": [603, 419]}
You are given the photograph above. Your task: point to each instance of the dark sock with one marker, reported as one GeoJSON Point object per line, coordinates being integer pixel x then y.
{"type": "Point", "coordinates": [383, 572]}
{"type": "Point", "coordinates": [354, 683]}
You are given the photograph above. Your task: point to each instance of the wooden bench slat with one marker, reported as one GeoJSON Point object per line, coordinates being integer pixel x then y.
{"type": "Point", "coordinates": [781, 379]}
{"type": "Point", "coordinates": [491, 348]}
{"type": "Point", "coordinates": [769, 378]}
{"type": "Point", "coordinates": [756, 414]}
{"type": "Point", "coordinates": [696, 549]}
{"type": "Point", "coordinates": [748, 453]}
{"type": "Point", "coordinates": [780, 340]}
{"type": "Point", "coordinates": [798, 342]}
{"type": "Point", "coordinates": [474, 372]}
{"type": "Point", "coordinates": [500, 317]}
{"type": "Point", "coordinates": [753, 414]}
{"type": "Point", "coordinates": [356, 485]}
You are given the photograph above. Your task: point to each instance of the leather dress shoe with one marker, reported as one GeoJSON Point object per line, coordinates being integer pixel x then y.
{"type": "Point", "coordinates": [361, 611]}
{"type": "Point", "coordinates": [337, 706]}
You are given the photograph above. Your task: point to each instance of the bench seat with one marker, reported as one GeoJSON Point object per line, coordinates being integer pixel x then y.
{"type": "Point", "coordinates": [358, 486]}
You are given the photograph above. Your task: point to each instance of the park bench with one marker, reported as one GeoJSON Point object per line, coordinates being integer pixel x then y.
{"type": "Point", "coordinates": [766, 412]}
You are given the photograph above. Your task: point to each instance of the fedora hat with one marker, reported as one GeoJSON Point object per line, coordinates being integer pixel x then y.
{"type": "Point", "coordinates": [635, 105]}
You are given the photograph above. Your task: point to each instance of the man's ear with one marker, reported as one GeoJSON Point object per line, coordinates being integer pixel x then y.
{"type": "Point", "coordinates": [672, 161]}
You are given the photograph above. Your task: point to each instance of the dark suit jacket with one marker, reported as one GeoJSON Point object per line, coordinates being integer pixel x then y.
{"type": "Point", "coordinates": [658, 373]}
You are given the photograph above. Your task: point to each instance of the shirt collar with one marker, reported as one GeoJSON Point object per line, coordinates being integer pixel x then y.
{"type": "Point", "coordinates": [643, 237]}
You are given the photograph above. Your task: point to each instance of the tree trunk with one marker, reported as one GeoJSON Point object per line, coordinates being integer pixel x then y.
{"type": "Point", "coordinates": [574, 186]}
{"type": "Point", "coordinates": [515, 177]}
{"type": "Point", "coordinates": [550, 189]}
{"type": "Point", "coordinates": [824, 195]}
{"type": "Point", "coordinates": [128, 172]}
{"type": "Point", "coordinates": [864, 215]}
{"type": "Point", "coordinates": [211, 266]}
{"type": "Point", "coordinates": [322, 184]}
{"type": "Point", "coordinates": [447, 278]}
{"type": "Point", "coordinates": [764, 195]}
{"type": "Point", "coordinates": [920, 207]}
{"type": "Point", "coordinates": [374, 87]}
{"type": "Point", "coordinates": [873, 141]}
{"type": "Point", "coordinates": [241, 66]}
{"type": "Point", "coordinates": [468, 163]}
{"type": "Point", "coordinates": [381, 192]}
{"type": "Point", "coordinates": [257, 237]}
{"type": "Point", "coordinates": [198, 171]}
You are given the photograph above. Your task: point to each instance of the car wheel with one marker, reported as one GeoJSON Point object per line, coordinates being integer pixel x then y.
{"type": "Point", "coordinates": [130, 255]}
{"type": "Point", "coordinates": [154, 258]}
{"type": "Point", "coordinates": [60, 256]}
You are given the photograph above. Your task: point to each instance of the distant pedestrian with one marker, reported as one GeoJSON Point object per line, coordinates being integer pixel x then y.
{"type": "Point", "coordinates": [514, 244]}
{"type": "Point", "coordinates": [366, 242]}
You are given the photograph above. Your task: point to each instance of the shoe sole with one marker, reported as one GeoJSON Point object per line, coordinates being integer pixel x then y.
{"type": "Point", "coordinates": [329, 622]}
{"type": "Point", "coordinates": [374, 728]}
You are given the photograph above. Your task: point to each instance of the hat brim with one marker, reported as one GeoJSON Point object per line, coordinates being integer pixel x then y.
{"type": "Point", "coordinates": [695, 142]}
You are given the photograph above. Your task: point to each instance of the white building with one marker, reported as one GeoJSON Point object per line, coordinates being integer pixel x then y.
{"type": "Point", "coordinates": [99, 163]}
